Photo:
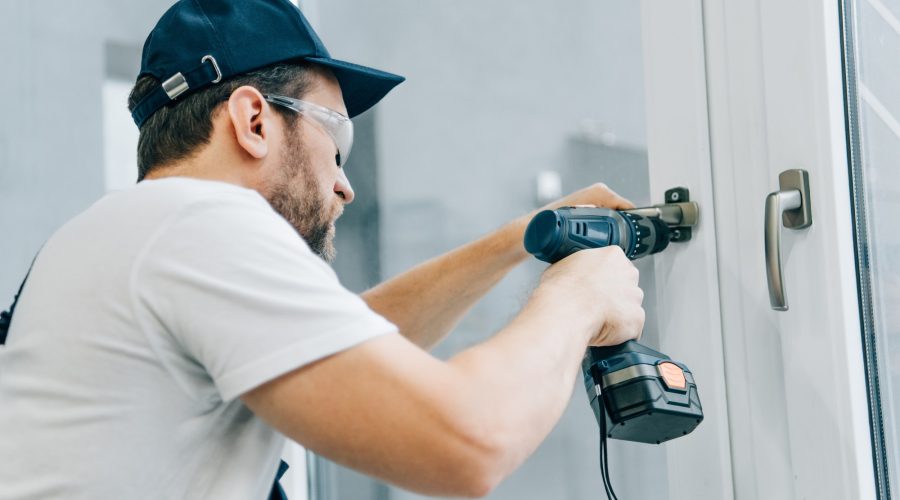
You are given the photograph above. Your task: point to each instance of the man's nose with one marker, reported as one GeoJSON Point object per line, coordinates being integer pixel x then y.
{"type": "Point", "coordinates": [342, 187]}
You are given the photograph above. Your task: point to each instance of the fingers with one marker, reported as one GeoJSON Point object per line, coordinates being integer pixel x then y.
{"type": "Point", "coordinates": [598, 194]}
{"type": "Point", "coordinates": [605, 282]}
{"type": "Point", "coordinates": [610, 199]}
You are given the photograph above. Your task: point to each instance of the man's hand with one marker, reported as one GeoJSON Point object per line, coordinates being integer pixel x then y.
{"type": "Point", "coordinates": [603, 279]}
{"type": "Point", "coordinates": [598, 194]}
{"type": "Point", "coordinates": [605, 284]}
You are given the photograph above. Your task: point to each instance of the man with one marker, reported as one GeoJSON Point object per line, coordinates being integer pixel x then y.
{"type": "Point", "coordinates": [170, 335]}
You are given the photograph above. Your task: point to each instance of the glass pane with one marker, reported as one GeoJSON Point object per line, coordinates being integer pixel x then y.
{"type": "Point", "coordinates": [876, 28]}
{"type": "Point", "coordinates": [497, 93]}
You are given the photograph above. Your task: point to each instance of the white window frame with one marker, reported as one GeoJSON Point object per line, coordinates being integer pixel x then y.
{"type": "Point", "coordinates": [796, 382]}
{"type": "Point", "coordinates": [687, 292]}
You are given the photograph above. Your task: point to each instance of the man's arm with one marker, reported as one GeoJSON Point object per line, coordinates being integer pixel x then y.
{"type": "Point", "coordinates": [391, 410]}
{"type": "Point", "coordinates": [427, 301]}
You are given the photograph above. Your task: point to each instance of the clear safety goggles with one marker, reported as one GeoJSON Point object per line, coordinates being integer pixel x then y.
{"type": "Point", "coordinates": [336, 125]}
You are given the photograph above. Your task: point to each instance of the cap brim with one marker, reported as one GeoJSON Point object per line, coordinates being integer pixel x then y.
{"type": "Point", "coordinates": [362, 86]}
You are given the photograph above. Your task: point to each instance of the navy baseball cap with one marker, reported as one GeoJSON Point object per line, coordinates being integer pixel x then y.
{"type": "Point", "coordinates": [198, 43]}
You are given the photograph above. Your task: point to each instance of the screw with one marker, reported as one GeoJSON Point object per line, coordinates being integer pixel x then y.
{"type": "Point", "coordinates": [675, 196]}
{"type": "Point", "coordinates": [676, 234]}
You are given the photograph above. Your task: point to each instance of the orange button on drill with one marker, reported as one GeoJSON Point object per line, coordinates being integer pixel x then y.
{"type": "Point", "coordinates": [672, 375]}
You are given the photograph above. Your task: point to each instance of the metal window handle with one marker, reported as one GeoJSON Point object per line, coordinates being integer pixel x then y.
{"type": "Point", "coordinates": [790, 206]}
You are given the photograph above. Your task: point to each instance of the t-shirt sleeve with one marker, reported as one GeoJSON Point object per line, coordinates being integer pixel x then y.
{"type": "Point", "coordinates": [235, 287]}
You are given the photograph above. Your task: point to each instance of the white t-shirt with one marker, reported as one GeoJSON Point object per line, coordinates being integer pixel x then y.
{"type": "Point", "coordinates": [142, 321]}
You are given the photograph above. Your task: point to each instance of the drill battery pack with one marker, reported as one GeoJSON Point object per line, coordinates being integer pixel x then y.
{"type": "Point", "coordinates": [638, 394]}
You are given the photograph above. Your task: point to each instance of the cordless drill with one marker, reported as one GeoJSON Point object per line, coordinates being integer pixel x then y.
{"type": "Point", "coordinates": [637, 394]}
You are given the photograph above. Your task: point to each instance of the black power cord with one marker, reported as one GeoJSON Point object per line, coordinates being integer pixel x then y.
{"type": "Point", "coordinates": [604, 454]}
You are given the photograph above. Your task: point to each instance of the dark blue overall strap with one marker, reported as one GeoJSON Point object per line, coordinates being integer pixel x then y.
{"type": "Point", "coordinates": [6, 316]}
{"type": "Point", "coordinates": [277, 491]}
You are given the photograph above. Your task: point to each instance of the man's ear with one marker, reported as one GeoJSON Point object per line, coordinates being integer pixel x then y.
{"type": "Point", "coordinates": [251, 121]}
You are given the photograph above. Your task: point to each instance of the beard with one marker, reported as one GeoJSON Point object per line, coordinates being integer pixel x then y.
{"type": "Point", "coordinates": [295, 195]}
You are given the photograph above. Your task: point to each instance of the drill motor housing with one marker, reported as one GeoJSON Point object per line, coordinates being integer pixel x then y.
{"type": "Point", "coordinates": [555, 234]}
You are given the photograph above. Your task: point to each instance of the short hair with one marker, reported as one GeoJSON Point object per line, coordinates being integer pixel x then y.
{"type": "Point", "coordinates": [176, 131]}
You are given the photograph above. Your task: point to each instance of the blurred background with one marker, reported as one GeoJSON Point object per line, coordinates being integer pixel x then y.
{"type": "Point", "coordinates": [508, 104]}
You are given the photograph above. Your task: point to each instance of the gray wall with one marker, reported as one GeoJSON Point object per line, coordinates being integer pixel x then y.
{"type": "Point", "coordinates": [496, 92]}
{"type": "Point", "coordinates": [54, 56]}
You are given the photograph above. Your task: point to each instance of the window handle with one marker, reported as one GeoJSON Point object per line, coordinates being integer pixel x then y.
{"type": "Point", "coordinates": [790, 206]}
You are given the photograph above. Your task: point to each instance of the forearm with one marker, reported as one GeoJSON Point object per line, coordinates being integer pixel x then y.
{"type": "Point", "coordinates": [520, 381]}
{"type": "Point", "coordinates": [440, 428]}
{"type": "Point", "coordinates": [429, 300]}
{"type": "Point", "coordinates": [457, 427]}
